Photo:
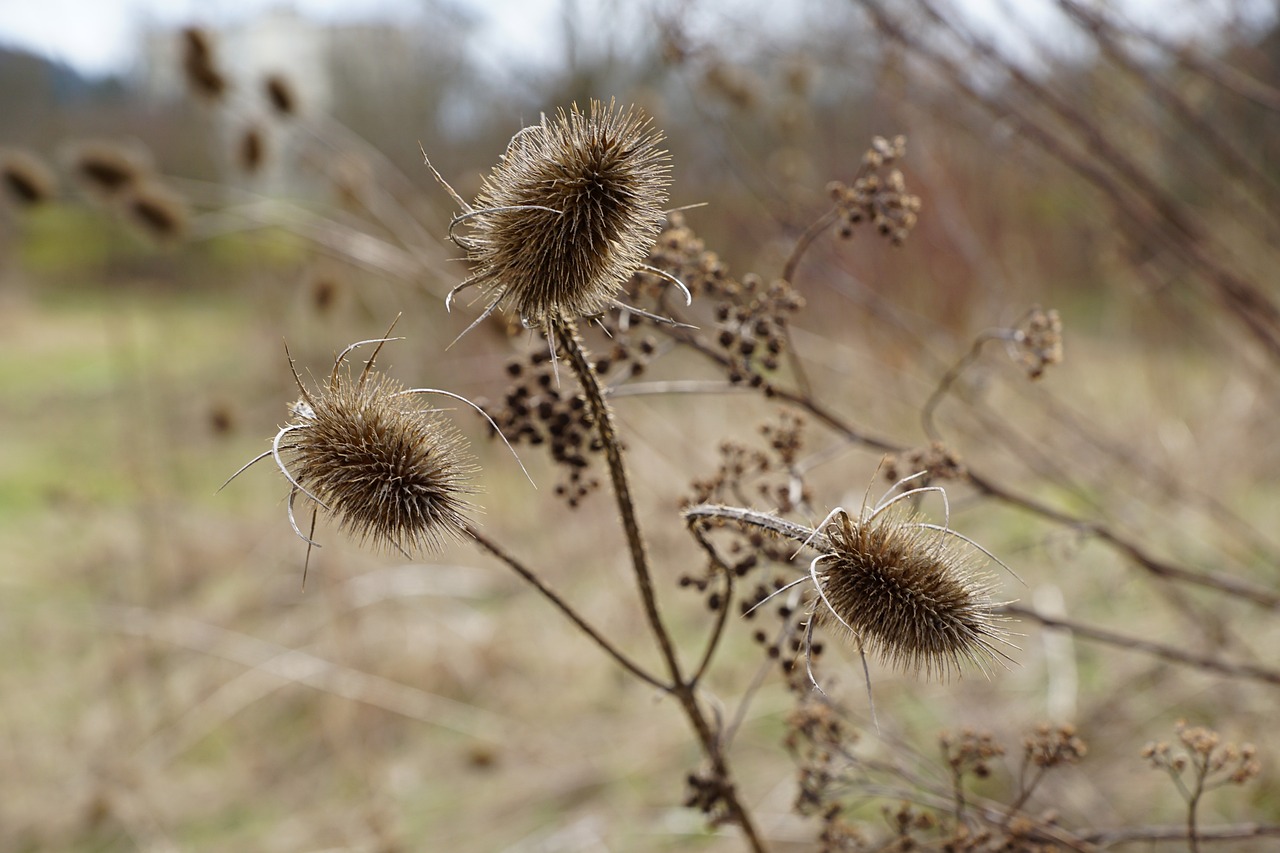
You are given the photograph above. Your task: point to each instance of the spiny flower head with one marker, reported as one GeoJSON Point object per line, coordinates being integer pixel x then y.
{"type": "Point", "coordinates": [383, 466]}
{"type": "Point", "coordinates": [909, 590]}
{"type": "Point", "coordinates": [569, 213]}
{"type": "Point", "coordinates": [387, 469]}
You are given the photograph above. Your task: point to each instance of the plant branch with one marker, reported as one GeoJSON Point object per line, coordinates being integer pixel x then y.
{"type": "Point", "coordinates": [564, 607]}
{"type": "Point", "coordinates": [1173, 654]}
{"type": "Point", "coordinates": [566, 335]}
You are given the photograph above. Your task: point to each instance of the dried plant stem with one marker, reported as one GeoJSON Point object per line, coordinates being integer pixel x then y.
{"type": "Point", "coordinates": [722, 615]}
{"type": "Point", "coordinates": [566, 335]}
{"type": "Point", "coordinates": [1226, 584]}
{"type": "Point", "coordinates": [765, 521]}
{"type": "Point", "coordinates": [1231, 669]}
{"type": "Point", "coordinates": [949, 378]}
{"type": "Point", "coordinates": [813, 232]}
{"type": "Point", "coordinates": [564, 607]}
{"type": "Point", "coordinates": [1228, 832]}
{"type": "Point", "coordinates": [1147, 208]}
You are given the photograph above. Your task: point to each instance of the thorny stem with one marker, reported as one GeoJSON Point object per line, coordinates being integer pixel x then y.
{"type": "Point", "coordinates": [564, 607]}
{"type": "Point", "coordinates": [566, 335]}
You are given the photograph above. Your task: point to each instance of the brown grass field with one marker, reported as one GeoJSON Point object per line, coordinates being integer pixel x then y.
{"type": "Point", "coordinates": [169, 684]}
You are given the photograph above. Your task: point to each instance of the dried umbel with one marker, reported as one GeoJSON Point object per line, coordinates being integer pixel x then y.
{"type": "Point", "coordinates": [878, 194]}
{"type": "Point", "coordinates": [1036, 342]}
{"type": "Point", "coordinates": [367, 453]}
{"type": "Point", "coordinates": [26, 178]}
{"type": "Point", "coordinates": [568, 215]}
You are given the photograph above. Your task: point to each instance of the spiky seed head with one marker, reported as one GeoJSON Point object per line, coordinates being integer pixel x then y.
{"type": "Point", "coordinates": [280, 94]}
{"type": "Point", "coordinates": [199, 65]}
{"type": "Point", "coordinates": [252, 149]}
{"type": "Point", "coordinates": [26, 177]}
{"type": "Point", "coordinates": [388, 469]}
{"type": "Point", "coordinates": [107, 169]}
{"type": "Point", "coordinates": [570, 212]}
{"type": "Point", "coordinates": [157, 210]}
{"type": "Point", "coordinates": [910, 592]}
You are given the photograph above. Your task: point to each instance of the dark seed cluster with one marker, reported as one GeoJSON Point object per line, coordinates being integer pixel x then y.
{"type": "Point", "coordinates": [536, 411]}
{"type": "Point", "coordinates": [751, 315]}
{"type": "Point", "coordinates": [751, 475]}
{"type": "Point", "coordinates": [878, 194]}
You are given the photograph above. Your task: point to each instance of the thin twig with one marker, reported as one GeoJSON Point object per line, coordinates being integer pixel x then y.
{"type": "Point", "coordinates": [564, 607]}
{"type": "Point", "coordinates": [1174, 654]}
{"type": "Point", "coordinates": [726, 599]}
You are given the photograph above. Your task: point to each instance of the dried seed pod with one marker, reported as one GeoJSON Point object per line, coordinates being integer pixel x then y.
{"type": "Point", "coordinates": [158, 211]}
{"type": "Point", "coordinates": [107, 169]}
{"type": "Point", "coordinates": [385, 468]}
{"type": "Point", "coordinates": [280, 94]}
{"type": "Point", "coordinates": [199, 65]}
{"type": "Point", "coordinates": [27, 179]}
{"type": "Point", "coordinates": [909, 590]}
{"type": "Point", "coordinates": [569, 214]}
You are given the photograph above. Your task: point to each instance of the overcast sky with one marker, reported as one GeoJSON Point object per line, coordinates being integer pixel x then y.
{"type": "Point", "coordinates": [98, 36]}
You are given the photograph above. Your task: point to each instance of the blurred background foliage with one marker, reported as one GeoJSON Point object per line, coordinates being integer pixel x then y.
{"type": "Point", "coordinates": [166, 686]}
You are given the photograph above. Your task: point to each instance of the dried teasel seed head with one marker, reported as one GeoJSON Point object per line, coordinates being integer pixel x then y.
{"type": "Point", "coordinates": [199, 65]}
{"type": "Point", "coordinates": [387, 469]}
{"type": "Point", "coordinates": [910, 592]}
{"type": "Point", "coordinates": [158, 211]}
{"type": "Point", "coordinates": [252, 150]}
{"type": "Point", "coordinates": [280, 94]}
{"type": "Point", "coordinates": [26, 178]}
{"type": "Point", "coordinates": [107, 169]}
{"type": "Point", "coordinates": [569, 213]}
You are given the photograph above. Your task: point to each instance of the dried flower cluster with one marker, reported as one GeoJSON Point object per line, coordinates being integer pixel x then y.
{"type": "Point", "coordinates": [936, 460]}
{"type": "Point", "coordinates": [1212, 763]}
{"type": "Point", "coordinates": [970, 752]}
{"type": "Point", "coordinates": [1037, 341]}
{"type": "Point", "coordinates": [536, 411]}
{"type": "Point", "coordinates": [1048, 746]}
{"type": "Point", "coordinates": [569, 213]}
{"type": "Point", "coordinates": [879, 194]}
